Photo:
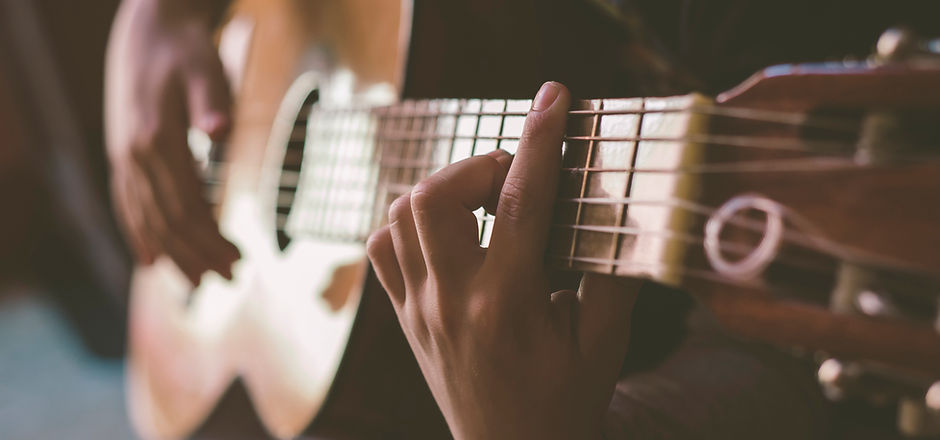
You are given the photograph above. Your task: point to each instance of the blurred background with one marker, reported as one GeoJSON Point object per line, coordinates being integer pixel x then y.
{"type": "Point", "coordinates": [63, 268]}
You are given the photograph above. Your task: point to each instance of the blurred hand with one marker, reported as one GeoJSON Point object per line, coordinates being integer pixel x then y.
{"type": "Point", "coordinates": [503, 355]}
{"type": "Point", "coordinates": [164, 76]}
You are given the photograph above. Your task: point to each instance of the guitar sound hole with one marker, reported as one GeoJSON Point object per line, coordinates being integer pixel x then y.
{"type": "Point", "coordinates": [290, 168]}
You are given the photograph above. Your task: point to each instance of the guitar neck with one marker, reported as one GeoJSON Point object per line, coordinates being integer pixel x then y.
{"type": "Point", "coordinates": [358, 161]}
{"type": "Point", "coordinates": [733, 202]}
{"type": "Point", "coordinates": [636, 190]}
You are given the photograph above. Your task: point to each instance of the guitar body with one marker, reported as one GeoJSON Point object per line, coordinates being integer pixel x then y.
{"type": "Point", "coordinates": [303, 339]}
{"type": "Point", "coordinates": [273, 326]}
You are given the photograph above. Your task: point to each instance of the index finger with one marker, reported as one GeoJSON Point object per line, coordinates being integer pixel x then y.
{"type": "Point", "coordinates": [523, 215]}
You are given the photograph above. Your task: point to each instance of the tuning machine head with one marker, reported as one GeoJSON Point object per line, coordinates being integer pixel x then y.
{"type": "Point", "coordinates": [903, 45]}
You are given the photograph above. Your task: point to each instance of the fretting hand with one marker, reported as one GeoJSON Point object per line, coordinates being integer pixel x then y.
{"type": "Point", "coordinates": [504, 356]}
{"type": "Point", "coordinates": [164, 76]}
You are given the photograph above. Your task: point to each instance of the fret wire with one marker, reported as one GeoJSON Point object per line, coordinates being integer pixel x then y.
{"type": "Point", "coordinates": [431, 146]}
{"type": "Point", "coordinates": [372, 152]}
{"type": "Point", "coordinates": [389, 180]}
{"type": "Point", "coordinates": [419, 125]}
{"type": "Point", "coordinates": [628, 185]}
{"type": "Point", "coordinates": [301, 213]}
{"type": "Point", "coordinates": [476, 132]}
{"type": "Point", "coordinates": [486, 225]}
{"type": "Point", "coordinates": [453, 137]}
{"type": "Point", "coordinates": [402, 123]}
{"type": "Point", "coordinates": [338, 148]}
{"type": "Point", "coordinates": [312, 210]}
{"type": "Point", "coordinates": [584, 180]}
{"type": "Point", "coordinates": [473, 149]}
{"type": "Point", "coordinates": [502, 126]}
{"type": "Point", "coordinates": [376, 153]}
{"type": "Point", "coordinates": [401, 154]}
{"type": "Point", "coordinates": [382, 196]}
{"type": "Point", "coordinates": [343, 187]}
{"type": "Point", "coordinates": [321, 200]}
{"type": "Point", "coordinates": [366, 185]}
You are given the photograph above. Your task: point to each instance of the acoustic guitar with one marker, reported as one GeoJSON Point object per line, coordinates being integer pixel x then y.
{"type": "Point", "coordinates": [797, 206]}
{"type": "Point", "coordinates": [303, 333]}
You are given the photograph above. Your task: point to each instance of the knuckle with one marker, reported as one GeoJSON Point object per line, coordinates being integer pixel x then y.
{"type": "Point", "coordinates": [441, 318]}
{"type": "Point", "coordinates": [446, 325]}
{"type": "Point", "coordinates": [424, 198]}
{"type": "Point", "coordinates": [491, 165]}
{"type": "Point", "coordinates": [484, 319]}
{"type": "Point", "coordinates": [534, 123]}
{"type": "Point", "coordinates": [377, 243]}
{"type": "Point", "coordinates": [412, 322]}
{"type": "Point", "coordinates": [514, 204]}
{"type": "Point", "coordinates": [400, 208]}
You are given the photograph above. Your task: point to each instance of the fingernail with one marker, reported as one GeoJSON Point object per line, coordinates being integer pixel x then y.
{"type": "Point", "coordinates": [545, 97]}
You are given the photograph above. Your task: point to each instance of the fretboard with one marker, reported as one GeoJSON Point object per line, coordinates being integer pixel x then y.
{"type": "Point", "coordinates": [629, 194]}
{"type": "Point", "coordinates": [357, 161]}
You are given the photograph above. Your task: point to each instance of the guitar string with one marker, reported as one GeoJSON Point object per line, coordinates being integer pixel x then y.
{"type": "Point", "coordinates": [800, 118]}
{"type": "Point", "coordinates": [780, 117]}
{"type": "Point", "coordinates": [290, 201]}
{"type": "Point", "coordinates": [684, 271]}
{"type": "Point", "coordinates": [804, 236]}
{"type": "Point", "coordinates": [727, 247]}
{"type": "Point", "coordinates": [779, 166]}
{"type": "Point", "coordinates": [758, 142]}
{"type": "Point", "coordinates": [292, 179]}
{"type": "Point", "coordinates": [798, 239]}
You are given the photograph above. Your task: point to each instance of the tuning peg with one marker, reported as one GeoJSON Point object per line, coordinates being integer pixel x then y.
{"type": "Point", "coordinates": [933, 397]}
{"type": "Point", "coordinates": [901, 44]}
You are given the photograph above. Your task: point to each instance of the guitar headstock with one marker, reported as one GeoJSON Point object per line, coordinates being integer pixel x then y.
{"type": "Point", "coordinates": [840, 85]}
{"type": "Point", "coordinates": [859, 188]}
{"type": "Point", "coordinates": [903, 75]}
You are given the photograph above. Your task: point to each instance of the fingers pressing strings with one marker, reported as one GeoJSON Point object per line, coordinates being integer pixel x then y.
{"type": "Point", "coordinates": [443, 206]}
{"type": "Point", "coordinates": [523, 216]}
